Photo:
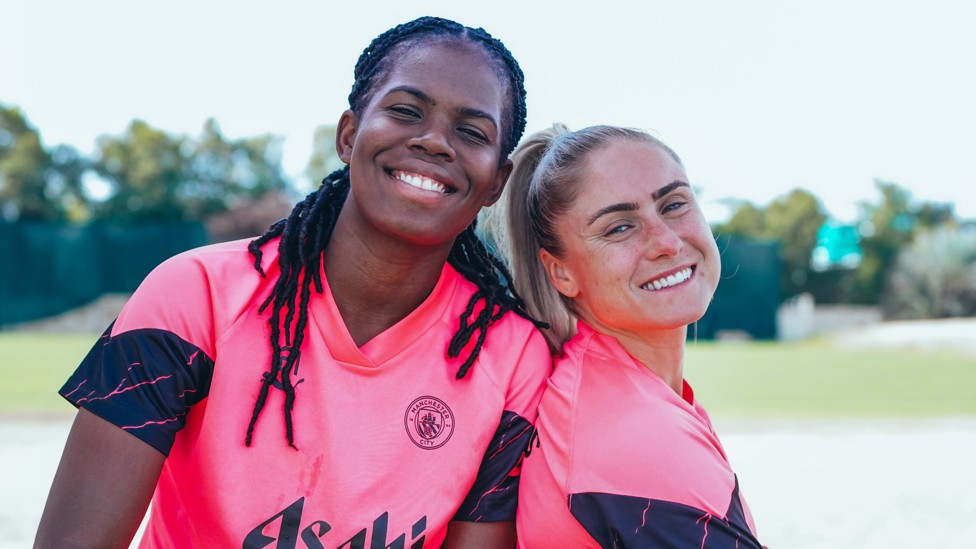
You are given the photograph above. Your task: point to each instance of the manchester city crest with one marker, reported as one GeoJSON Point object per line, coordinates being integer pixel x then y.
{"type": "Point", "coordinates": [429, 422]}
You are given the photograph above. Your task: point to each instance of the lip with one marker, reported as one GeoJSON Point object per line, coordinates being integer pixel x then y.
{"type": "Point", "coordinates": [683, 274]}
{"type": "Point", "coordinates": [441, 178]}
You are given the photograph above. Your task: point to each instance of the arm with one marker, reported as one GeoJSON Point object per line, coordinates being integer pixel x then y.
{"type": "Point", "coordinates": [102, 488]}
{"type": "Point", "coordinates": [480, 535]}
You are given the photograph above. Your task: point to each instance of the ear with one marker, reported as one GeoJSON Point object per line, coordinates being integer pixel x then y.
{"type": "Point", "coordinates": [560, 275]}
{"type": "Point", "coordinates": [346, 135]}
{"type": "Point", "coordinates": [498, 185]}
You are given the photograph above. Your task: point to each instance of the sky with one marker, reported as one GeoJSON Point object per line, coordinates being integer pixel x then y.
{"type": "Point", "coordinates": [757, 96]}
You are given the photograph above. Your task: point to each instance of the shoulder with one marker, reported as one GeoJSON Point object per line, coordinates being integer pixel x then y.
{"type": "Point", "coordinates": [514, 353]}
{"type": "Point", "coordinates": [516, 341]}
{"type": "Point", "coordinates": [509, 337]}
{"type": "Point", "coordinates": [217, 261]}
{"type": "Point", "coordinates": [199, 291]}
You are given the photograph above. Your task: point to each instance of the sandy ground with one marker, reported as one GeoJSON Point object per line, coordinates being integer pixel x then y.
{"type": "Point", "coordinates": [925, 336]}
{"type": "Point", "coordinates": [821, 484]}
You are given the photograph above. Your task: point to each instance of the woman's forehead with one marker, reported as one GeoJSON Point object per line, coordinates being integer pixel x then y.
{"type": "Point", "coordinates": [458, 72]}
{"type": "Point", "coordinates": [623, 165]}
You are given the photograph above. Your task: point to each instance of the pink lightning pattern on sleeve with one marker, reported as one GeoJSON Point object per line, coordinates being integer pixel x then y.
{"type": "Point", "coordinates": [707, 518]}
{"type": "Point", "coordinates": [119, 388]}
{"type": "Point", "coordinates": [643, 517]}
{"type": "Point", "coordinates": [498, 480]}
{"type": "Point", "coordinates": [143, 381]}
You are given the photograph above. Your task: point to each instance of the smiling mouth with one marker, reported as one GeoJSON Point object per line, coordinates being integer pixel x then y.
{"type": "Point", "coordinates": [422, 182]}
{"type": "Point", "coordinates": [668, 281]}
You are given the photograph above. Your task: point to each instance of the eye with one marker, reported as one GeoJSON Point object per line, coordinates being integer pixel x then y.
{"type": "Point", "coordinates": [674, 204]}
{"type": "Point", "coordinates": [474, 133]}
{"type": "Point", "coordinates": [404, 111]}
{"type": "Point", "coordinates": [618, 229]}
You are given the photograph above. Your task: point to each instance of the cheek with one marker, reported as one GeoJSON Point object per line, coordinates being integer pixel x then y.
{"type": "Point", "coordinates": [485, 170]}
{"type": "Point", "coordinates": [610, 269]}
{"type": "Point", "coordinates": [713, 259]}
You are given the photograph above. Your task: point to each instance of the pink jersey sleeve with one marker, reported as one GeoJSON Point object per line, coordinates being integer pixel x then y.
{"type": "Point", "coordinates": [495, 492]}
{"type": "Point", "coordinates": [156, 360]}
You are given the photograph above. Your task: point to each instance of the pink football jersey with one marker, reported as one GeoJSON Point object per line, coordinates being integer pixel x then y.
{"type": "Point", "coordinates": [390, 445]}
{"type": "Point", "coordinates": [623, 461]}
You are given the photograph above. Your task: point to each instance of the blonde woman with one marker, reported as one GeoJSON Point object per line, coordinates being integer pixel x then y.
{"type": "Point", "coordinates": [609, 246]}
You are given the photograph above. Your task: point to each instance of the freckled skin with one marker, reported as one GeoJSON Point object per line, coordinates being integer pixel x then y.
{"type": "Point", "coordinates": [606, 261]}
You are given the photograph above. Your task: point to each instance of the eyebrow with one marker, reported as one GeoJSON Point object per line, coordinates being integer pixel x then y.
{"type": "Point", "coordinates": [469, 112]}
{"type": "Point", "coordinates": [633, 206]}
{"type": "Point", "coordinates": [656, 195]}
{"type": "Point", "coordinates": [622, 207]}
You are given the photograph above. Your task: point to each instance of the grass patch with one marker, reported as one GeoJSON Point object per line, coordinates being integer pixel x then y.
{"type": "Point", "coordinates": [750, 380]}
{"type": "Point", "coordinates": [816, 379]}
{"type": "Point", "coordinates": [34, 366]}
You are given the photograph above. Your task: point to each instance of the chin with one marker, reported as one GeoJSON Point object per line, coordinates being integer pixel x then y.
{"type": "Point", "coordinates": [687, 320]}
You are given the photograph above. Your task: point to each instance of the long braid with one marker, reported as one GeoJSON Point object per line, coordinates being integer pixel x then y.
{"type": "Point", "coordinates": [472, 260]}
{"type": "Point", "coordinates": [305, 233]}
{"type": "Point", "coordinates": [303, 237]}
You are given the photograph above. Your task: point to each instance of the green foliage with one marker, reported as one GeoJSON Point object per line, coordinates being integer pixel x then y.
{"type": "Point", "coordinates": [934, 277]}
{"type": "Point", "coordinates": [152, 175]}
{"type": "Point", "coordinates": [792, 220]}
{"type": "Point", "coordinates": [886, 228]}
{"type": "Point", "coordinates": [35, 183]}
{"type": "Point", "coordinates": [324, 158]}
{"type": "Point", "coordinates": [144, 167]}
{"type": "Point", "coordinates": [157, 176]}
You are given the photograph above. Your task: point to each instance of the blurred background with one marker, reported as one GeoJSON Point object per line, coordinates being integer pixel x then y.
{"type": "Point", "coordinates": [831, 143]}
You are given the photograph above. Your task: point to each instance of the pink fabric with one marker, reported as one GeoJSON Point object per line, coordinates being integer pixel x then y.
{"type": "Point", "coordinates": [609, 425]}
{"type": "Point", "coordinates": [389, 441]}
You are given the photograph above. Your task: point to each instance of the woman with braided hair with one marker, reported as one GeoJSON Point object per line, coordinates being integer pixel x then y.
{"type": "Point", "coordinates": [333, 382]}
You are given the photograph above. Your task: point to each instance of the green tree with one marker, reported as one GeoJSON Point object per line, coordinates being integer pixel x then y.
{"type": "Point", "coordinates": [36, 183]}
{"type": "Point", "coordinates": [222, 172]}
{"type": "Point", "coordinates": [157, 176]}
{"type": "Point", "coordinates": [324, 158]}
{"type": "Point", "coordinates": [145, 169]}
{"type": "Point", "coordinates": [934, 276]}
{"type": "Point", "coordinates": [793, 220]}
{"type": "Point", "coordinates": [887, 227]}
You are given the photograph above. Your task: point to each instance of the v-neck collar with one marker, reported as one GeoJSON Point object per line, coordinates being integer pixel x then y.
{"type": "Point", "coordinates": [612, 347]}
{"type": "Point", "coordinates": [386, 345]}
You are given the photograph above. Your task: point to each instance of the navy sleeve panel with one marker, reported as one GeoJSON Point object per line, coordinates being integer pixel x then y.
{"type": "Point", "coordinates": [144, 381]}
{"type": "Point", "coordinates": [617, 521]}
{"type": "Point", "coordinates": [495, 492]}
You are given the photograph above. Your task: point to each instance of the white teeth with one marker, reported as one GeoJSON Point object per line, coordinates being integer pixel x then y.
{"type": "Point", "coordinates": [421, 182]}
{"type": "Point", "coordinates": [669, 280]}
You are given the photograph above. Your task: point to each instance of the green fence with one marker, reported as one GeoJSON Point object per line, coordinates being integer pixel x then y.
{"type": "Point", "coordinates": [46, 269]}
{"type": "Point", "coordinates": [748, 292]}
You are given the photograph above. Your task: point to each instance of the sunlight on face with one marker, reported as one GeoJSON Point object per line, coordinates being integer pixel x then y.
{"type": "Point", "coordinates": [639, 254]}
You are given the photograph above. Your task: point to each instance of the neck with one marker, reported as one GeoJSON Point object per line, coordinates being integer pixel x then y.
{"type": "Point", "coordinates": [660, 351]}
{"type": "Point", "coordinates": [376, 281]}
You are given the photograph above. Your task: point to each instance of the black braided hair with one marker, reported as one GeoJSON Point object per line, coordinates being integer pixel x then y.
{"type": "Point", "coordinates": [305, 233]}
{"type": "Point", "coordinates": [374, 64]}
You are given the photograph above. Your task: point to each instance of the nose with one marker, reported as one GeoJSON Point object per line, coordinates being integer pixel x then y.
{"type": "Point", "coordinates": [433, 139]}
{"type": "Point", "coordinates": [662, 240]}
